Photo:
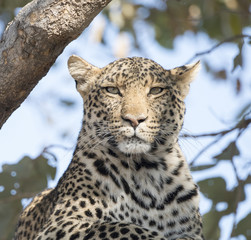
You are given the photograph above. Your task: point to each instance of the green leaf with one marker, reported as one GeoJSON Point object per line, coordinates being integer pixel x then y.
{"type": "Point", "coordinates": [238, 61]}
{"type": "Point", "coordinates": [211, 227]}
{"type": "Point", "coordinates": [243, 227]}
{"type": "Point", "coordinates": [235, 24]}
{"type": "Point", "coordinates": [9, 212]}
{"type": "Point", "coordinates": [215, 189]}
{"type": "Point", "coordinates": [31, 175]}
{"type": "Point", "coordinates": [67, 102]}
{"type": "Point", "coordinates": [229, 152]}
{"type": "Point", "coordinates": [238, 86]}
{"type": "Point", "coordinates": [8, 7]}
{"type": "Point", "coordinates": [202, 167]}
{"type": "Point", "coordinates": [222, 74]}
{"type": "Point", "coordinates": [21, 180]}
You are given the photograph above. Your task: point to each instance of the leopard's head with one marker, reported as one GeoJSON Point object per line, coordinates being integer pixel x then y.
{"type": "Point", "coordinates": [133, 104]}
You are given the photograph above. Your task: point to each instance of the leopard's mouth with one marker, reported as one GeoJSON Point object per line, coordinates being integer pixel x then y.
{"type": "Point", "coordinates": [134, 145]}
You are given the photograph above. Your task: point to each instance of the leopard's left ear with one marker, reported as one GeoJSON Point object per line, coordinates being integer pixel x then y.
{"type": "Point", "coordinates": [184, 75]}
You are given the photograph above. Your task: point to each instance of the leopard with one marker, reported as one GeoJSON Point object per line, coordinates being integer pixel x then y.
{"type": "Point", "coordinates": [128, 178]}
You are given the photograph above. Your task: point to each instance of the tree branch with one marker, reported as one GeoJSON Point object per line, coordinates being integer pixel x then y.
{"type": "Point", "coordinates": [230, 39]}
{"type": "Point", "coordinates": [46, 150]}
{"type": "Point", "coordinates": [32, 42]}
{"type": "Point", "coordinates": [239, 191]}
{"type": "Point", "coordinates": [240, 125]}
{"type": "Point", "coordinates": [204, 150]}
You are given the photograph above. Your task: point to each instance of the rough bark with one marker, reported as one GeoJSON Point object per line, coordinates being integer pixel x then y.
{"type": "Point", "coordinates": [32, 42]}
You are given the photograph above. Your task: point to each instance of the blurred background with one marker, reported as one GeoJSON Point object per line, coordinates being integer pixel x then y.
{"type": "Point", "coordinates": [37, 141]}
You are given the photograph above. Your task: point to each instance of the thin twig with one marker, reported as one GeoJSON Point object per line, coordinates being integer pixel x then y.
{"type": "Point", "coordinates": [230, 39]}
{"type": "Point", "coordinates": [203, 150]}
{"type": "Point", "coordinates": [57, 146]}
{"type": "Point", "coordinates": [47, 151]}
{"type": "Point", "coordinates": [238, 192]}
{"type": "Point", "coordinates": [240, 125]}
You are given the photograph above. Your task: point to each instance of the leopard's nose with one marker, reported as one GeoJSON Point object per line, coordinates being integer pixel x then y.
{"type": "Point", "coordinates": [134, 120]}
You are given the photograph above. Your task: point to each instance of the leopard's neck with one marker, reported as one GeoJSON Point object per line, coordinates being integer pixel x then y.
{"type": "Point", "coordinates": [161, 172]}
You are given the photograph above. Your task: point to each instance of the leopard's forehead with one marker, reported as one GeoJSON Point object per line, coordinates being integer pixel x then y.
{"type": "Point", "coordinates": [135, 70]}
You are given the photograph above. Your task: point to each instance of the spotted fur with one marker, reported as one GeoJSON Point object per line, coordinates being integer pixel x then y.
{"type": "Point", "coordinates": [128, 178]}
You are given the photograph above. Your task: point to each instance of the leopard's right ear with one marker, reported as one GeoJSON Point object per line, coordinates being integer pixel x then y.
{"type": "Point", "coordinates": [83, 72]}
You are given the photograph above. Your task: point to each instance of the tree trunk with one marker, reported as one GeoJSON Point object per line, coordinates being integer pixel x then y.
{"type": "Point", "coordinates": [32, 42]}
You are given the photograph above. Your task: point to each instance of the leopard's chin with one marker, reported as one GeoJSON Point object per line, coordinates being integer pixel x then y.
{"type": "Point", "coordinates": [134, 145]}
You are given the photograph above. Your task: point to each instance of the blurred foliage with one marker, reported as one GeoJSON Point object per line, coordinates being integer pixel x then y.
{"type": "Point", "coordinates": [224, 22]}
{"type": "Point", "coordinates": [216, 189]}
{"type": "Point", "coordinates": [17, 181]}
{"type": "Point", "coordinates": [218, 18]}
{"type": "Point", "coordinates": [7, 9]}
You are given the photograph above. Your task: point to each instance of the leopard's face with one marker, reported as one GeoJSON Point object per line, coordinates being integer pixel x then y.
{"type": "Point", "coordinates": [133, 104]}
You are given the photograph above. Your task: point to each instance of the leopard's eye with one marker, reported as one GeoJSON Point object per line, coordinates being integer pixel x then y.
{"type": "Point", "coordinates": [156, 90]}
{"type": "Point", "coordinates": [112, 90]}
